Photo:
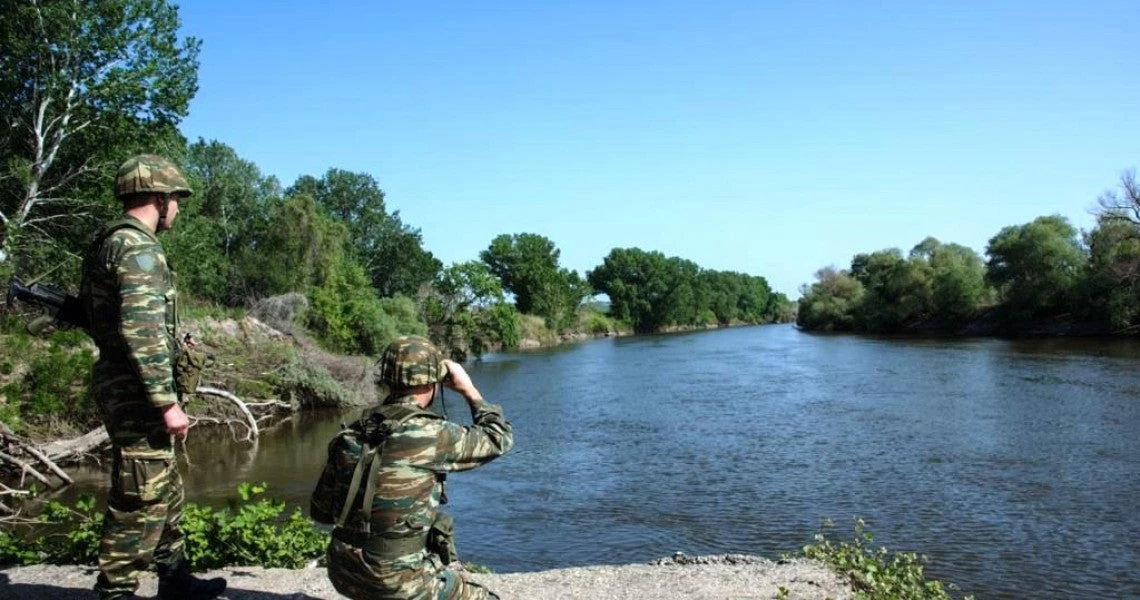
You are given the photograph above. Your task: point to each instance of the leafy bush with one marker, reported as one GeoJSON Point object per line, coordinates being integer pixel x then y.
{"type": "Point", "coordinates": [48, 382]}
{"type": "Point", "coordinates": [65, 536]}
{"type": "Point", "coordinates": [252, 533]}
{"type": "Point", "coordinates": [348, 316]}
{"type": "Point", "coordinates": [877, 574]}
{"type": "Point", "coordinates": [256, 532]}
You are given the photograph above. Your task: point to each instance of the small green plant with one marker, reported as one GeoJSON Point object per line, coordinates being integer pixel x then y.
{"type": "Point", "coordinates": [251, 531]}
{"type": "Point", "coordinates": [63, 535]}
{"type": "Point", "coordinates": [254, 532]}
{"type": "Point", "coordinates": [877, 574]}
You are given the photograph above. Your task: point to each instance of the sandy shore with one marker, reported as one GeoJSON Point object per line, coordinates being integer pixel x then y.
{"type": "Point", "coordinates": [717, 577]}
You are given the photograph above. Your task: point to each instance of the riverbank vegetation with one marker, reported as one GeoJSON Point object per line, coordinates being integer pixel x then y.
{"type": "Point", "coordinates": [877, 573]}
{"type": "Point", "coordinates": [1042, 277]}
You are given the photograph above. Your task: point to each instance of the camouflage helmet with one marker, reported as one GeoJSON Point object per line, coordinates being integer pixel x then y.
{"type": "Point", "coordinates": [149, 173]}
{"type": "Point", "coordinates": [410, 361]}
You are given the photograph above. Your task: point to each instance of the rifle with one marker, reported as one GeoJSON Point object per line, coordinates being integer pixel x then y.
{"type": "Point", "coordinates": [61, 308]}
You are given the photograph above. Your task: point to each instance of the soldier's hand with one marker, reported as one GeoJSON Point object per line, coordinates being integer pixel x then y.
{"type": "Point", "coordinates": [177, 424]}
{"type": "Point", "coordinates": [460, 381]}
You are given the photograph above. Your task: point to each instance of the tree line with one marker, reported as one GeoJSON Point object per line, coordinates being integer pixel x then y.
{"type": "Point", "coordinates": [84, 85]}
{"type": "Point", "coordinates": [1044, 276]}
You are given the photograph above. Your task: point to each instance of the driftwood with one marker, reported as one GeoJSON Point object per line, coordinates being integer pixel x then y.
{"type": "Point", "coordinates": [24, 458]}
{"type": "Point", "coordinates": [251, 423]}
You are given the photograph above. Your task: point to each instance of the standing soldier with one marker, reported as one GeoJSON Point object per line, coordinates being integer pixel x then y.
{"type": "Point", "coordinates": [130, 304]}
{"type": "Point", "coordinates": [397, 545]}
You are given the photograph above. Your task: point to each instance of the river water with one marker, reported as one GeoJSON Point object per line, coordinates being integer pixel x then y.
{"type": "Point", "coordinates": [1013, 465]}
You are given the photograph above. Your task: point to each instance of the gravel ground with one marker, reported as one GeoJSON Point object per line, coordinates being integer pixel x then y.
{"type": "Point", "coordinates": [707, 577]}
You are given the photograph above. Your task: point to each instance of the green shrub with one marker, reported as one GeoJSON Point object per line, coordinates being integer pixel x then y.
{"type": "Point", "coordinates": [256, 532]}
{"type": "Point", "coordinates": [253, 532]}
{"type": "Point", "coordinates": [45, 384]}
{"type": "Point", "coordinates": [877, 574]}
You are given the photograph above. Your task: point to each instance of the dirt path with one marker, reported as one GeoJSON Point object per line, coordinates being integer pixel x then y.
{"type": "Point", "coordinates": [707, 578]}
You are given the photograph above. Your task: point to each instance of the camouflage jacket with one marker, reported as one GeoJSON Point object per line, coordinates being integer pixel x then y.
{"type": "Point", "coordinates": [408, 488]}
{"type": "Point", "coordinates": [128, 296]}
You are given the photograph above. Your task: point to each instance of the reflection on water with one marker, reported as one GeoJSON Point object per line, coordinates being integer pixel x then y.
{"type": "Point", "coordinates": [1015, 465]}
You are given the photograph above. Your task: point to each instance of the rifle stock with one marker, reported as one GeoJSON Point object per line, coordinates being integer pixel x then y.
{"type": "Point", "coordinates": [63, 307]}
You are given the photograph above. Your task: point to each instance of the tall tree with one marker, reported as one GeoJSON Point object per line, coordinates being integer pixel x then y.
{"type": "Point", "coordinates": [389, 250]}
{"type": "Point", "coordinates": [830, 303]}
{"type": "Point", "coordinates": [83, 84]}
{"type": "Point", "coordinates": [898, 290]}
{"type": "Point", "coordinates": [648, 290]}
{"type": "Point", "coordinates": [229, 212]}
{"type": "Point", "coordinates": [467, 311]}
{"type": "Point", "coordinates": [1112, 283]}
{"type": "Point", "coordinates": [527, 265]}
{"type": "Point", "coordinates": [1122, 203]}
{"type": "Point", "coordinates": [1035, 267]}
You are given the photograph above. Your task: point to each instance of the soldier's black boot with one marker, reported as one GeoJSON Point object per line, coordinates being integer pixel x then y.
{"type": "Point", "coordinates": [176, 583]}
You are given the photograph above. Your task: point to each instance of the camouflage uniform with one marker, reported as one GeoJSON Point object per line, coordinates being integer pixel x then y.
{"type": "Point", "coordinates": [128, 296]}
{"type": "Point", "coordinates": [396, 559]}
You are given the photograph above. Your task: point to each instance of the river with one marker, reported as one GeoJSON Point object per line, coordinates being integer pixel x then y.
{"type": "Point", "coordinates": [1014, 465]}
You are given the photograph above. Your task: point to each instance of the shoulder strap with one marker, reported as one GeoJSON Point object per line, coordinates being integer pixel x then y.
{"type": "Point", "coordinates": [366, 454]}
{"type": "Point", "coordinates": [395, 415]}
{"type": "Point", "coordinates": [115, 226]}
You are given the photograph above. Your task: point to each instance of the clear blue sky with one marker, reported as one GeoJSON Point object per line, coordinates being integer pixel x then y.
{"type": "Point", "coordinates": [761, 137]}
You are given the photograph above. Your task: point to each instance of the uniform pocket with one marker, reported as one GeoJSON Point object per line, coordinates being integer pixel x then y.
{"type": "Point", "coordinates": [144, 480]}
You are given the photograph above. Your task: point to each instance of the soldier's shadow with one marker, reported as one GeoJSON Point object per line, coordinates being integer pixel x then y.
{"type": "Point", "coordinates": [46, 591]}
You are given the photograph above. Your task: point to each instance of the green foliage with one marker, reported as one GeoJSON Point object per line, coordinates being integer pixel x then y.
{"type": "Point", "coordinates": [82, 84]}
{"type": "Point", "coordinates": [831, 302]}
{"type": "Point", "coordinates": [958, 284]}
{"type": "Point", "coordinates": [227, 215]}
{"type": "Point", "coordinates": [1036, 267]}
{"type": "Point", "coordinates": [297, 248]}
{"type": "Point", "coordinates": [897, 291]}
{"type": "Point", "coordinates": [877, 574]}
{"type": "Point", "coordinates": [653, 292]}
{"type": "Point", "coordinates": [467, 312]}
{"type": "Point", "coordinates": [527, 266]}
{"type": "Point", "coordinates": [62, 535]}
{"type": "Point", "coordinates": [309, 385]}
{"type": "Point", "coordinates": [596, 323]}
{"type": "Point", "coordinates": [391, 252]}
{"type": "Point", "coordinates": [255, 531]}
{"type": "Point", "coordinates": [1111, 290]}
{"type": "Point", "coordinates": [46, 383]}
{"type": "Point", "coordinates": [252, 531]}
{"type": "Point", "coordinates": [347, 315]}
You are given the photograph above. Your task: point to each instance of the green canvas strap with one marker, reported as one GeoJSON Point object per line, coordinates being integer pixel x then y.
{"type": "Point", "coordinates": [366, 457]}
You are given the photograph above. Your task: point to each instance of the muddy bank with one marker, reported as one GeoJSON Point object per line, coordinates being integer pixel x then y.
{"type": "Point", "coordinates": [706, 578]}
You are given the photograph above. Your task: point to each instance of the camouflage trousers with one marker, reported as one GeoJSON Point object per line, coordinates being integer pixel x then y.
{"type": "Point", "coordinates": [141, 525]}
{"type": "Point", "coordinates": [354, 575]}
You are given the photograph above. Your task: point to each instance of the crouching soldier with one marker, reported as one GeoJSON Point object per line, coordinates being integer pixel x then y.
{"type": "Point", "coordinates": [383, 483]}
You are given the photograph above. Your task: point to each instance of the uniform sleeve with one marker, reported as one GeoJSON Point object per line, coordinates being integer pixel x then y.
{"type": "Point", "coordinates": [447, 446]}
{"type": "Point", "coordinates": [142, 291]}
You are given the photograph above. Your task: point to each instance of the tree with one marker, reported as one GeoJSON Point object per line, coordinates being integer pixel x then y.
{"type": "Point", "coordinates": [648, 290]}
{"type": "Point", "coordinates": [1112, 283]}
{"type": "Point", "coordinates": [391, 252]}
{"type": "Point", "coordinates": [83, 84]}
{"type": "Point", "coordinates": [467, 311]}
{"type": "Point", "coordinates": [898, 291]}
{"type": "Point", "coordinates": [1123, 203]}
{"type": "Point", "coordinates": [831, 302]}
{"type": "Point", "coordinates": [1035, 267]}
{"type": "Point", "coordinates": [299, 248]}
{"type": "Point", "coordinates": [959, 285]}
{"type": "Point", "coordinates": [527, 265]}
{"type": "Point", "coordinates": [228, 212]}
